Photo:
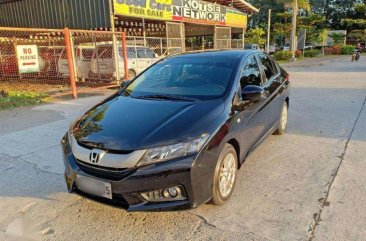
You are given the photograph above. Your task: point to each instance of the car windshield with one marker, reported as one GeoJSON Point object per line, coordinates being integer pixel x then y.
{"type": "Point", "coordinates": [184, 77]}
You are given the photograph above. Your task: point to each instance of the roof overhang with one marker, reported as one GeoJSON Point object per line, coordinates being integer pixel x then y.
{"type": "Point", "coordinates": [241, 5]}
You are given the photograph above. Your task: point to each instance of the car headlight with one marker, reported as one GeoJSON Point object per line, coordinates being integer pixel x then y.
{"type": "Point", "coordinates": [165, 153]}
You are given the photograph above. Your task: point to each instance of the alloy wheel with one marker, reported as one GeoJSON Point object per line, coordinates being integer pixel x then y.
{"type": "Point", "coordinates": [227, 175]}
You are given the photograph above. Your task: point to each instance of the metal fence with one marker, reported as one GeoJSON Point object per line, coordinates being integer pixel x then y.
{"type": "Point", "coordinates": [79, 60]}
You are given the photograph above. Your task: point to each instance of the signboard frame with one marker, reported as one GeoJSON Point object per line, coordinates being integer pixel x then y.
{"type": "Point", "coordinates": [190, 11]}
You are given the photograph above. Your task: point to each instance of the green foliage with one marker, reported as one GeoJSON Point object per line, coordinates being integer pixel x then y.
{"type": "Point", "coordinates": [357, 20]}
{"type": "Point", "coordinates": [347, 49]}
{"type": "Point", "coordinates": [357, 35]}
{"type": "Point", "coordinates": [282, 55]}
{"type": "Point", "coordinates": [259, 20]}
{"type": "Point", "coordinates": [22, 98]}
{"type": "Point", "coordinates": [352, 24]}
{"type": "Point", "coordinates": [338, 38]}
{"type": "Point", "coordinates": [322, 36]}
{"type": "Point", "coordinates": [311, 53]}
{"type": "Point", "coordinates": [255, 36]}
{"type": "Point", "coordinates": [360, 8]}
{"type": "Point", "coordinates": [334, 11]}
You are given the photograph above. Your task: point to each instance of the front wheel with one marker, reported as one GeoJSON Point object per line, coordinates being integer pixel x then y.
{"type": "Point", "coordinates": [225, 175]}
{"type": "Point", "coordinates": [283, 120]}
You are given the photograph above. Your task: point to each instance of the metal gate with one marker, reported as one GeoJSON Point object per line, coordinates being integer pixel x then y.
{"type": "Point", "coordinates": [175, 38]}
{"type": "Point", "coordinates": [222, 38]}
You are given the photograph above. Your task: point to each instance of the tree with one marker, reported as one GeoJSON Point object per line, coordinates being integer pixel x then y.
{"type": "Point", "coordinates": [322, 38]}
{"type": "Point", "coordinates": [338, 38]}
{"type": "Point", "coordinates": [295, 5]}
{"type": "Point", "coordinates": [334, 10]}
{"type": "Point", "coordinates": [357, 36]}
{"type": "Point", "coordinates": [259, 20]}
{"type": "Point", "coordinates": [255, 36]}
{"type": "Point", "coordinates": [358, 21]}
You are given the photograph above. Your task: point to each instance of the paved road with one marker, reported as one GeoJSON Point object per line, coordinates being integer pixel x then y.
{"type": "Point", "coordinates": [308, 184]}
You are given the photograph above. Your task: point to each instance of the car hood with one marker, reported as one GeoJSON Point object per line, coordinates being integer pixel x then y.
{"type": "Point", "coordinates": [125, 123]}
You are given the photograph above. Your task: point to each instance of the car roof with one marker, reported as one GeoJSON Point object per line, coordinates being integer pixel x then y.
{"type": "Point", "coordinates": [237, 53]}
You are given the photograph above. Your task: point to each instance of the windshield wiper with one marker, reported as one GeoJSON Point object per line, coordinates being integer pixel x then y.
{"type": "Point", "coordinates": [164, 97]}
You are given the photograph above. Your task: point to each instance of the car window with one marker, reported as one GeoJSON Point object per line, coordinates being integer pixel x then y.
{"type": "Point", "coordinates": [145, 53]}
{"type": "Point", "coordinates": [250, 74]}
{"type": "Point", "coordinates": [200, 77]}
{"type": "Point", "coordinates": [270, 69]}
{"type": "Point", "coordinates": [141, 53]}
{"type": "Point", "coordinates": [149, 53]}
{"type": "Point", "coordinates": [131, 53]}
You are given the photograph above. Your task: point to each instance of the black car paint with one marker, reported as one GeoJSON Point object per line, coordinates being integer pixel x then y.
{"type": "Point", "coordinates": [242, 123]}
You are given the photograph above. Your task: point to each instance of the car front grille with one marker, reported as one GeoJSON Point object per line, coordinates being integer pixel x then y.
{"type": "Point", "coordinates": [107, 173]}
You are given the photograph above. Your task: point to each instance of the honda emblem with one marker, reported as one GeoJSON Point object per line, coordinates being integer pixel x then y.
{"type": "Point", "coordinates": [96, 155]}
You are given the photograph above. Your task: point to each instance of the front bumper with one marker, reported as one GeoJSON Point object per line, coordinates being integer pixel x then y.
{"type": "Point", "coordinates": [193, 173]}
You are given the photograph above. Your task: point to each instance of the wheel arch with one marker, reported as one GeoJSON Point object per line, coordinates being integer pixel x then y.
{"type": "Point", "coordinates": [236, 146]}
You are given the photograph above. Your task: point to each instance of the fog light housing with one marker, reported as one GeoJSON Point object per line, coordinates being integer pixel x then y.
{"type": "Point", "coordinates": [175, 193]}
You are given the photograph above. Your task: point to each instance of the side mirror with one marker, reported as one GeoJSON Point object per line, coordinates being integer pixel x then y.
{"type": "Point", "coordinates": [254, 93]}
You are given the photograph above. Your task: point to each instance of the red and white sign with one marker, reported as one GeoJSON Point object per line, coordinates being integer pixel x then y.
{"type": "Point", "coordinates": [28, 60]}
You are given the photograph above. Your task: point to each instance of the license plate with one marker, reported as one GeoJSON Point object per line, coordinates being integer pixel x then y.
{"type": "Point", "coordinates": [94, 186]}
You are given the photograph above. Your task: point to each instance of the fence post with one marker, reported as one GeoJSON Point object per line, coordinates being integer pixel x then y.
{"type": "Point", "coordinates": [70, 61]}
{"type": "Point", "coordinates": [125, 61]}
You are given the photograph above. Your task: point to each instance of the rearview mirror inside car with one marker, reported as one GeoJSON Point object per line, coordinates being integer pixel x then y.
{"type": "Point", "coordinates": [254, 93]}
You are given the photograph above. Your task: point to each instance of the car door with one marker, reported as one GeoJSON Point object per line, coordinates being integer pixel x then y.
{"type": "Point", "coordinates": [271, 83]}
{"type": "Point", "coordinates": [253, 114]}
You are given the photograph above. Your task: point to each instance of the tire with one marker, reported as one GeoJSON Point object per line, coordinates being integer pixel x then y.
{"type": "Point", "coordinates": [282, 125]}
{"type": "Point", "coordinates": [225, 175]}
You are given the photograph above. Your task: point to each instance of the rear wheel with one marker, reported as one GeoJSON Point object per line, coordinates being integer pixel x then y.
{"type": "Point", "coordinates": [283, 120]}
{"type": "Point", "coordinates": [225, 175]}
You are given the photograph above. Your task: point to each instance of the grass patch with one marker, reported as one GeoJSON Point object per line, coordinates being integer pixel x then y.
{"type": "Point", "coordinates": [13, 99]}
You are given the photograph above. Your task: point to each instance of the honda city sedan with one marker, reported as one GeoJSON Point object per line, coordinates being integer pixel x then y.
{"type": "Point", "coordinates": [176, 135]}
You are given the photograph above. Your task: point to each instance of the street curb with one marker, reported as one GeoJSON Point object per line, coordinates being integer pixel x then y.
{"type": "Point", "coordinates": [311, 64]}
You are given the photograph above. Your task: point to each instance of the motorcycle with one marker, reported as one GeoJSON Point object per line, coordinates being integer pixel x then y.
{"type": "Point", "coordinates": [356, 55]}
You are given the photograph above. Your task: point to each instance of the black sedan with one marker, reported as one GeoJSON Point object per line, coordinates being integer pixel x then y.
{"type": "Point", "coordinates": [176, 135]}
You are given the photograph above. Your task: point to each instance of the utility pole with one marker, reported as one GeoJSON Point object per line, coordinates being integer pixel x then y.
{"type": "Point", "coordinates": [269, 29]}
{"type": "Point", "coordinates": [114, 42]}
{"type": "Point", "coordinates": [295, 8]}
